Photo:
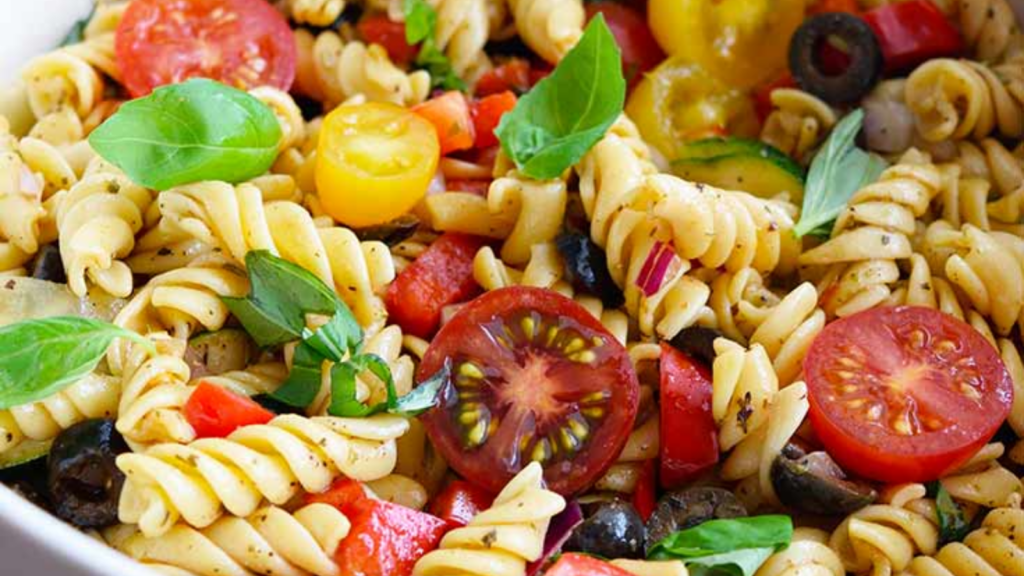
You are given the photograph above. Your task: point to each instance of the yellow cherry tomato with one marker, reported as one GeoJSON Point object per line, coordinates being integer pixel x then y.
{"type": "Point", "coordinates": [374, 162]}
{"type": "Point", "coordinates": [679, 102]}
{"type": "Point", "coordinates": [743, 42]}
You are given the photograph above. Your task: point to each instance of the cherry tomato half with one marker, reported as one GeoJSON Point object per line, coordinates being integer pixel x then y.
{"type": "Point", "coordinates": [379, 29]}
{"type": "Point", "coordinates": [242, 43]}
{"type": "Point", "coordinates": [459, 502]}
{"type": "Point", "coordinates": [534, 377]}
{"type": "Point", "coordinates": [374, 162]}
{"type": "Point", "coordinates": [215, 412]}
{"type": "Point", "coordinates": [689, 436]}
{"type": "Point", "coordinates": [640, 52]}
{"type": "Point", "coordinates": [905, 394]}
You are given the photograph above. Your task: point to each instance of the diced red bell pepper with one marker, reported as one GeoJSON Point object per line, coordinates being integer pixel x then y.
{"type": "Point", "coordinates": [689, 437]}
{"type": "Point", "coordinates": [441, 276]}
{"type": "Point", "coordinates": [379, 29]}
{"type": "Point", "coordinates": [215, 412]}
{"type": "Point", "coordinates": [450, 115]}
{"type": "Point", "coordinates": [571, 564]}
{"type": "Point", "coordinates": [645, 496]}
{"type": "Point", "coordinates": [513, 75]}
{"type": "Point", "coordinates": [913, 32]}
{"type": "Point", "coordinates": [459, 502]}
{"type": "Point", "coordinates": [487, 113]}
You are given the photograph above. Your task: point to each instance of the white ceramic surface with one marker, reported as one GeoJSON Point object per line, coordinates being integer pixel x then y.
{"type": "Point", "coordinates": [33, 543]}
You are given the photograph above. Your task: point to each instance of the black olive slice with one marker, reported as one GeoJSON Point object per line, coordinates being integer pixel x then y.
{"type": "Point", "coordinates": [613, 530]}
{"type": "Point", "coordinates": [83, 478]}
{"type": "Point", "coordinates": [48, 265]}
{"type": "Point", "coordinates": [392, 232]}
{"type": "Point", "coordinates": [866, 60]}
{"type": "Point", "coordinates": [698, 343]}
{"type": "Point", "coordinates": [587, 267]}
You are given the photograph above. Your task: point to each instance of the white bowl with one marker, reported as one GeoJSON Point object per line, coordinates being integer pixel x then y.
{"type": "Point", "coordinates": [32, 542]}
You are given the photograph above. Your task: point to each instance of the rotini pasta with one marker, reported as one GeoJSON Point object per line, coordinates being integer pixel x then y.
{"type": "Point", "coordinates": [316, 12]}
{"type": "Point", "coordinates": [808, 555]}
{"type": "Point", "coordinates": [798, 122]}
{"type": "Point", "coordinates": [154, 389]}
{"type": "Point", "coordinates": [549, 27]}
{"type": "Point", "coordinates": [463, 27]}
{"type": "Point", "coordinates": [198, 482]}
{"type": "Point", "coordinates": [884, 538]}
{"type": "Point", "coordinates": [989, 27]}
{"type": "Point", "coordinates": [992, 550]}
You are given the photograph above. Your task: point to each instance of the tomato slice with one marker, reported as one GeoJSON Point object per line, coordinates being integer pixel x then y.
{"type": "Point", "coordinates": [487, 113]}
{"type": "Point", "coordinates": [215, 412]}
{"type": "Point", "coordinates": [571, 564]}
{"type": "Point", "coordinates": [689, 436]}
{"type": "Point", "coordinates": [645, 496]}
{"type": "Point", "coordinates": [242, 43]}
{"type": "Point", "coordinates": [440, 276]}
{"type": "Point", "coordinates": [534, 377]}
{"type": "Point", "coordinates": [374, 162]}
{"type": "Point", "coordinates": [379, 29]}
{"type": "Point", "coordinates": [449, 113]}
{"type": "Point", "coordinates": [459, 502]}
{"type": "Point", "coordinates": [640, 52]}
{"type": "Point", "coordinates": [905, 394]}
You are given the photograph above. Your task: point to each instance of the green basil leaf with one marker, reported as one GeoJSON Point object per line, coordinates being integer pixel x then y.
{"type": "Point", "coordinates": [189, 132]}
{"type": "Point", "coordinates": [304, 379]}
{"type": "Point", "coordinates": [424, 396]}
{"type": "Point", "coordinates": [431, 59]}
{"type": "Point", "coordinates": [77, 32]}
{"type": "Point", "coordinates": [38, 358]}
{"type": "Point", "coordinates": [742, 562]}
{"type": "Point", "coordinates": [717, 536]}
{"type": "Point", "coordinates": [564, 115]}
{"type": "Point", "coordinates": [420, 21]}
{"type": "Point", "coordinates": [953, 526]}
{"type": "Point", "coordinates": [837, 172]}
{"type": "Point", "coordinates": [343, 393]}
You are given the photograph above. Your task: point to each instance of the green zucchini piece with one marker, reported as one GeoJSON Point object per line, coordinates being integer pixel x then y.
{"type": "Point", "coordinates": [24, 453]}
{"type": "Point", "coordinates": [741, 164]}
{"type": "Point", "coordinates": [212, 353]}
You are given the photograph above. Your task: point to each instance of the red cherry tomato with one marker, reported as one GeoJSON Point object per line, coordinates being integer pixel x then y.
{"type": "Point", "coordinates": [905, 394]}
{"type": "Point", "coordinates": [571, 564]}
{"type": "Point", "coordinates": [534, 377]}
{"type": "Point", "coordinates": [215, 412]}
{"type": "Point", "coordinates": [826, 6]}
{"type": "Point", "coordinates": [385, 539]}
{"type": "Point", "coordinates": [242, 43]}
{"type": "Point", "coordinates": [441, 276]}
{"type": "Point", "coordinates": [912, 32]}
{"type": "Point", "coordinates": [640, 52]}
{"type": "Point", "coordinates": [487, 113]}
{"type": "Point", "coordinates": [459, 502]}
{"type": "Point", "coordinates": [689, 437]}
{"type": "Point", "coordinates": [450, 115]}
{"type": "Point", "coordinates": [513, 75]}
{"type": "Point", "coordinates": [379, 29]}
{"type": "Point", "coordinates": [645, 497]}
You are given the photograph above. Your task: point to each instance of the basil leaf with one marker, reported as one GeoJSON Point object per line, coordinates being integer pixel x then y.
{"type": "Point", "coordinates": [420, 20]}
{"type": "Point", "coordinates": [564, 115]}
{"type": "Point", "coordinates": [38, 358]}
{"type": "Point", "coordinates": [425, 395]}
{"type": "Point", "coordinates": [436, 62]}
{"type": "Point", "coordinates": [182, 133]}
{"type": "Point", "coordinates": [953, 526]}
{"type": "Point", "coordinates": [837, 172]}
{"type": "Point", "coordinates": [743, 562]}
{"type": "Point", "coordinates": [718, 536]}
{"type": "Point", "coordinates": [304, 379]}
{"type": "Point", "coordinates": [343, 393]}
{"type": "Point", "coordinates": [77, 32]}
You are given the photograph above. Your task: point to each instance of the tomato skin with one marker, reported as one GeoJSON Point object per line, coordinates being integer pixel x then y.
{"type": "Point", "coordinates": [827, 6]}
{"type": "Point", "coordinates": [450, 115]}
{"type": "Point", "coordinates": [611, 375]}
{"type": "Point", "coordinates": [514, 76]}
{"type": "Point", "coordinates": [159, 42]}
{"type": "Point", "coordinates": [441, 276]}
{"type": "Point", "coordinates": [459, 502]}
{"type": "Point", "coordinates": [645, 497]}
{"type": "Point", "coordinates": [487, 113]}
{"type": "Point", "coordinates": [912, 32]}
{"type": "Point", "coordinates": [640, 52]}
{"type": "Point", "coordinates": [689, 436]}
{"type": "Point", "coordinates": [904, 349]}
{"type": "Point", "coordinates": [572, 564]}
{"type": "Point", "coordinates": [379, 29]}
{"type": "Point", "coordinates": [359, 181]}
{"type": "Point", "coordinates": [215, 412]}
{"type": "Point", "coordinates": [385, 539]}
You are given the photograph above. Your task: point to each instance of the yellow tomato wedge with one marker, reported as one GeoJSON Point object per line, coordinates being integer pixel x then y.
{"type": "Point", "coordinates": [679, 102]}
{"type": "Point", "coordinates": [374, 163]}
{"type": "Point", "coordinates": [743, 42]}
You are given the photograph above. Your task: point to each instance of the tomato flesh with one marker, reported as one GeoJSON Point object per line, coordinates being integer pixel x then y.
{"type": "Point", "coordinates": [689, 436]}
{"type": "Point", "coordinates": [459, 502]}
{"type": "Point", "coordinates": [487, 113]}
{"type": "Point", "coordinates": [645, 496]}
{"type": "Point", "coordinates": [640, 52]}
{"type": "Point", "coordinates": [571, 564]}
{"type": "Point", "coordinates": [215, 412]}
{"type": "Point", "coordinates": [451, 117]}
{"type": "Point", "coordinates": [534, 377]}
{"type": "Point", "coordinates": [242, 43]}
{"type": "Point", "coordinates": [905, 394]}
{"type": "Point", "coordinates": [379, 29]}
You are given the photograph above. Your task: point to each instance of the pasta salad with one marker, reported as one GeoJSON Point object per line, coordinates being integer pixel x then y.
{"type": "Point", "coordinates": [522, 287]}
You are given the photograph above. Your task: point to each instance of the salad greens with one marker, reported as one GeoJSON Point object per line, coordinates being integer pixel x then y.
{"type": "Point", "coordinates": [837, 172]}
{"type": "Point", "coordinates": [275, 312]}
{"type": "Point", "coordinates": [189, 132]}
{"type": "Point", "coordinates": [420, 23]}
{"type": "Point", "coordinates": [564, 115]}
{"type": "Point", "coordinates": [39, 358]}
{"type": "Point", "coordinates": [953, 526]}
{"type": "Point", "coordinates": [736, 546]}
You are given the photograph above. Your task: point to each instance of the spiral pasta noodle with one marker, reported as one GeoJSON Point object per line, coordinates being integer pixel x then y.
{"type": "Point", "coordinates": [321, 13]}
{"type": "Point", "coordinates": [463, 27]}
{"type": "Point", "coordinates": [961, 99]}
{"type": "Point", "coordinates": [807, 555]}
{"type": "Point", "coordinates": [989, 27]}
{"type": "Point", "coordinates": [994, 549]}
{"type": "Point", "coordinates": [270, 541]}
{"type": "Point", "coordinates": [62, 79]}
{"type": "Point", "coordinates": [262, 378]}
{"type": "Point", "coordinates": [799, 121]}
{"type": "Point", "coordinates": [97, 220]}
{"type": "Point", "coordinates": [549, 27]}
{"type": "Point", "coordinates": [236, 220]}
{"type": "Point", "coordinates": [332, 70]}
{"type": "Point", "coordinates": [500, 540]}
{"type": "Point", "coordinates": [199, 481]}
{"type": "Point", "coordinates": [289, 117]}
{"type": "Point", "coordinates": [884, 538]}
{"type": "Point", "coordinates": [990, 160]}
{"type": "Point", "coordinates": [154, 390]}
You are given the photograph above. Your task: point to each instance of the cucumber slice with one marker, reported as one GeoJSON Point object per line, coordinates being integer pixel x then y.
{"type": "Point", "coordinates": [24, 453]}
{"type": "Point", "coordinates": [741, 164]}
{"type": "Point", "coordinates": [212, 353]}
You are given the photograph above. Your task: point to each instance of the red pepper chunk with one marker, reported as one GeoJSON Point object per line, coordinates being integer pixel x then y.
{"type": "Point", "coordinates": [645, 496]}
{"type": "Point", "coordinates": [441, 276]}
{"type": "Point", "coordinates": [487, 113]}
{"type": "Point", "coordinates": [459, 502]}
{"type": "Point", "coordinates": [689, 437]}
{"type": "Point", "coordinates": [570, 564]}
{"type": "Point", "coordinates": [215, 412]}
{"type": "Point", "coordinates": [912, 32]}
{"type": "Point", "coordinates": [450, 115]}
